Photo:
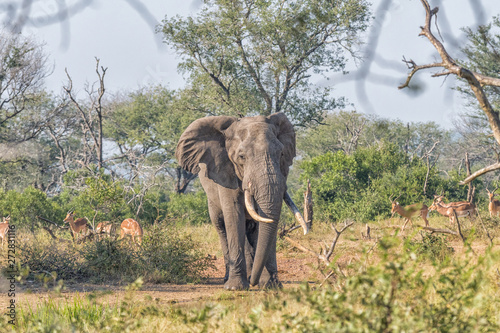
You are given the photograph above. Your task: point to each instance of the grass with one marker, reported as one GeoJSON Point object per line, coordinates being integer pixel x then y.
{"type": "Point", "coordinates": [397, 281]}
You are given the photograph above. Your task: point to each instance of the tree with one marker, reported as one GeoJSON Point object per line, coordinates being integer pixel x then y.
{"type": "Point", "coordinates": [347, 131]}
{"type": "Point", "coordinates": [482, 53]}
{"type": "Point", "coordinates": [475, 81]}
{"type": "Point", "coordinates": [23, 68]}
{"type": "Point", "coordinates": [91, 113]}
{"type": "Point", "coordinates": [254, 56]}
{"type": "Point", "coordinates": [146, 126]}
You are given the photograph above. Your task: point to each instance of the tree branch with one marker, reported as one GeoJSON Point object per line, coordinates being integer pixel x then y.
{"type": "Point", "coordinates": [476, 81]}
{"type": "Point", "coordinates": [480, 172]}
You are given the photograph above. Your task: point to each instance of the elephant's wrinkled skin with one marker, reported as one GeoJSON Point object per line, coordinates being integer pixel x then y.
{"type": "Point", "coordinates": [232, 156]}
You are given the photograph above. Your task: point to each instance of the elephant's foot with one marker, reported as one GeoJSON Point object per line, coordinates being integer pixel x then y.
{"type": "Point", "coordinates": [236, 283]}
{"type": "Point", "coordinates": [270, 282]}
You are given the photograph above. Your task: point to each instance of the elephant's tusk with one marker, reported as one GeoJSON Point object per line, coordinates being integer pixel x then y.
{"type": "Point", "coordinates": [251, 209]}
{"type": "Point", "coordinates": [289, 202]}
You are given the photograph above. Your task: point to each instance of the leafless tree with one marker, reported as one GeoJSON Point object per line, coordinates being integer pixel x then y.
{"type": "Point", "coordinates": [91, 114]}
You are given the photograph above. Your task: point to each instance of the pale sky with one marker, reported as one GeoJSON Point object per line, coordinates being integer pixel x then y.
{"type": "Point", "coordinates": [124, 40]}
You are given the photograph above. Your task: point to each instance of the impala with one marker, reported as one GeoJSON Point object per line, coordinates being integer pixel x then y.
{"type": "Point", "coordinates": [439, 199]}
{"type": "Point", "coordinates": [106, 228]}
{"type": "Point", "coordinates": [132, 228]}
{"type": "Point", "coordinates": [4, 228]}
{"type": "Point", "coordinates": [462, 209]}
{"type": "Point", "coordinates": [409, 211]}
{"type": "Point", "coordinates": [494, 205]}
{"type": "Point", "coordinates": [77, 226]}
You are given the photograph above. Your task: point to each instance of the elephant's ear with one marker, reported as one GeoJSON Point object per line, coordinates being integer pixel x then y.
{"type": "Point", "coordinates": [286, 135]}
{"type": "Point", "coordinates": [203, 142]}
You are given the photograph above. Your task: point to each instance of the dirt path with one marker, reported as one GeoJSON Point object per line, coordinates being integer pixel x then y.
{"type": "Point", "coordinates": [292, 272]}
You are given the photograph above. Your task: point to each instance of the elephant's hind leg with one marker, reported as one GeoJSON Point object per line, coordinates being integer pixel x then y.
{"type": "Point", "coordinates": [218, 221]}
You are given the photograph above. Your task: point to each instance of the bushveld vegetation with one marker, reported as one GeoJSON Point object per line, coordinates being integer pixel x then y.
{"type": "Point", "coordinates": [112, 157]}
{"type": "Point", "coordinates": [412, 281]}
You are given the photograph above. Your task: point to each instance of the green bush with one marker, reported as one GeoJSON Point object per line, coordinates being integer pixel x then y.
{"type": "Point", "coordinates": [190, 208]}
{"type": "Point", "coordinates": [44, 256]}
{"type": "Point", "coordinates": [394, 296]}
{"type": "Point", "coordinates": [24, 208]}
{"type": "Point", "coordinates": [359, 185]}
{"type": "Point", "coordinates": [94, 196]}
{"type": "Point", "coordinates": [108, 258]}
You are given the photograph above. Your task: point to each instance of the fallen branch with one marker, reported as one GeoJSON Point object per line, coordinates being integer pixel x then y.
{"type": "Point", "coordinates": [326, 278]}
{"type": "Point", "coordinates": [49, 231]}
{"type": "Point", "coordinates": [442, 231]}
{"type": "Point", "coordinates": [47, 220]}
{"type": "Point", "coordinates": [325, 254]}
{"type": "Point", "coordinates": [284, 231]}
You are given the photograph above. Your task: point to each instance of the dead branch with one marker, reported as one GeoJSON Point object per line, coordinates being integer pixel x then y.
{"type": "Point", "coordinates": [480, 172]}
{"type": "Point", "coordinates": [47, 220]}
{"type": "Point", "coordinates": [326, 278]}
{"type": "Point", "coordinates": [442, 231]}
{"type": "Point", "coordinates": [459, 228]}
{"type": "Point", "coordinates": [325, 254]}
{"type": "Point", "coordinates": [475, 80]}
{"type": "Point", "coordinates": [284, 231]}
{"type": "Point", "coordinates": [49, 231]}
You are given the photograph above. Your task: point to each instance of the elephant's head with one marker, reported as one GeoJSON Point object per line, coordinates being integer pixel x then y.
{"type": "Point", "coordinates": [252, 153]}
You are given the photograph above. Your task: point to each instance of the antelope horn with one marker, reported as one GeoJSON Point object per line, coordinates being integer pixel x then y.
{"type": "Point", "coordinates": [251, 209]}
{"type": "Point", "coordinates": [289, 202]}
{"type": "Point", "coordinates": [396, 198]}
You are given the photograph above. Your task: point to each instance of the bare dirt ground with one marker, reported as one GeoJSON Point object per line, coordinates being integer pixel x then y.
{"type": "Point", "coordinates": [292, 272]}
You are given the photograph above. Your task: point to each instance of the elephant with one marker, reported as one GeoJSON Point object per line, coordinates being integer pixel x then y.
{"type": "Point", "coordinates": [243, 164]}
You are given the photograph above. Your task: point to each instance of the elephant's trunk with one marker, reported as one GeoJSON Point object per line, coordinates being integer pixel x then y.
{"type": "Point", "coordinates": [268, 189]}
{"type": "Point", "coordinates": [266, 245]}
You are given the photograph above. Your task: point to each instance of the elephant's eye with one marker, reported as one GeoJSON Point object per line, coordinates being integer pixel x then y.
{"type": "Point", "coordinates": [242, 157]}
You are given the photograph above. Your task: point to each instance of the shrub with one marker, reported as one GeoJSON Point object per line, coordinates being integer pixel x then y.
{"type": "Point", "coordinates": [165, 256]}
{"type": "Point", "coordinates": [393, 296]}
{"type": "Point", "coordinates": [190, 208]}
{"type": "Point", "coordinates": [359, 185]}
{"type": "Point", "coordinates": [171, 257]}
{"type": "Point", "coordinates": [26, 206]}
{"type": "Point", "coordinates": [108, 258]}
{"type": "Point", "coordinates": [432, 247]}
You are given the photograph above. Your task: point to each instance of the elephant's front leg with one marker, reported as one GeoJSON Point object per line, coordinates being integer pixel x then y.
{"type": "Point", "coordinates": [232, 204]}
